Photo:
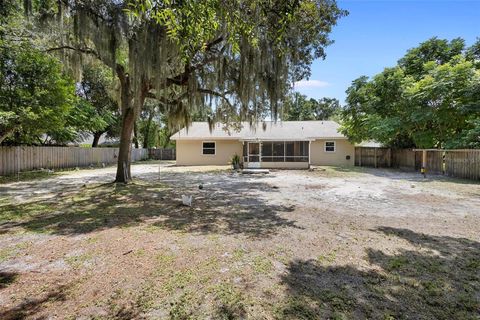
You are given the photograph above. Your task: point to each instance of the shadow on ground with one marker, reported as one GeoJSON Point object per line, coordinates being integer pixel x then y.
{"type": "Point", "coordinates": [227, 205]}
{"type": "Point", "coordinates": [32, 306]}
{"type": "Point", "coordinates": [7, 278]}
{"type": "Point", "coordinates": [440, 280]}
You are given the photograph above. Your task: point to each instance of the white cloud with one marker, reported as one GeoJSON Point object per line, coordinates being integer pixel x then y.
{"type": "Point", "coordinates": [311, 84]}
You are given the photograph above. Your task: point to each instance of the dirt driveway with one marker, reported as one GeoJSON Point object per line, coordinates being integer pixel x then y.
{"type": "Point", "coordinates": [334, 243]}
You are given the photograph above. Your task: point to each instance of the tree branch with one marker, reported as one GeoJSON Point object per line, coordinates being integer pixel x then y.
{"type": "Point", "coordinates": [82, 50]}
{"type": "Point", "coordinates": [217, 94]}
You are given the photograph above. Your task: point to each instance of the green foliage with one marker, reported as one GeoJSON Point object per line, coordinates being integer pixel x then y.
{"type": "Point", "coordinates": [299, 108]}
{"type": "Point", "coordinates": [35, 96]}
{"type": "Point", "coordinates": [154, 129]}
{"type": "Point", "coordinates": [235, 160]}
{"type": "Point", "coordinates": [430, 99]}
{"type": "Point", "coordinates": [438, 50]}
{"type": "Point", "coordinates": [234, 60]}
{"type": "Point", "coordinates": [96, 112]}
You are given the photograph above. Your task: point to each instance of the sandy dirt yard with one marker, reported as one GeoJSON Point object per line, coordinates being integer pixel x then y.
{"type": "Point", "coordinates": [334, 243]}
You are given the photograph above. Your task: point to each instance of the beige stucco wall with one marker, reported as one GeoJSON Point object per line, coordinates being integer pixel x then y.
{"type": "Point", "coordinates": [343, 148]}
{"type": "Point", "coordinates": [189, 152]}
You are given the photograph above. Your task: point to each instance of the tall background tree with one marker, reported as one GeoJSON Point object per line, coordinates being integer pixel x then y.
{"type": "Point", "coordinates": [36, 98]}
{"type": "Point", "coordinates": [299, 108]}
{"type": "Point", "coordinates": [97, 111]}
{"type": "Point", "coordinates": [431, 99]}
{"type": "Point", "coordinates": [236, 58]}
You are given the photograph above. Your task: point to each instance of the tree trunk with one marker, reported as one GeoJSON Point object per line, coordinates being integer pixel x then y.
{"type": "Point", "coordinates": [146, 138]}
{"type": "Point", "coordinates": [96, 138]}
{"type": "Point", "coordinates": [124, 154]}
{"type": "Point", "coordinates": [135, 135]}
{"type": "Point", "coordinates": [129, 116]}
{"type": "Point", "coordinates": [4, 135]}
{"type": "Point", "coordinates": [128, 121]}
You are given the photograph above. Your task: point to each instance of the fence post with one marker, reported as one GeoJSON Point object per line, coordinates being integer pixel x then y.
{"type": "Point", "coordinates": [389, 157]}
{"type": "Point", "coordinates": [424, 163]}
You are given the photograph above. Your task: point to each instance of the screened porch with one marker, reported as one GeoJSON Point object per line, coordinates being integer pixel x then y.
{"type": "Point", "coordinates": [276, 154]}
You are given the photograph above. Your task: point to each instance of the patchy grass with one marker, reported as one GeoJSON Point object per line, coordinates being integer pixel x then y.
{"type": "Point", "coordinates": [28, 176]}
{"type": "Point", "coordinates": [338, 172]}
{"type": "Point", "coordinates": [10, 252]}
{"type": "Point", "coordinates": [244, 250]}
{"type": "Point", "coordinates": [79, 261]}
{"type": "Point", "coordinates": [262, 265]}
{"type": "Point", "coordinates": [91, 208]}
{"type": "Point", "coordinates": [230, 301]}
{"type": "Point", "coordinates": [328, 258]}
{"type": "Point", "coordinates": [183, 307]}
{"type": "Point", "coordinates": [6, 254]}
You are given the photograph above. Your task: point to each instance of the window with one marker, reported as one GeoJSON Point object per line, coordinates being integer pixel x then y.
{"type": "Point", "coordinates": [329, 146]}
{"type": "Point", "coordinates": [208, 148]}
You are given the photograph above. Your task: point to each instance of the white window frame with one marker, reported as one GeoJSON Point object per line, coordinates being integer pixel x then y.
{"type": "Point", "coordinates": [334, 147]}
{"type": "Point", "coordinates": [214, 148]}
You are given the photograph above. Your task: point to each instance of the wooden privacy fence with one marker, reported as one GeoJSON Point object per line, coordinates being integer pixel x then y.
{"type": "Point", "coordinates": [463, 163]}
{"type": "Point", "coordinates": [17, 159]}
{"type": "Point", "coordinates": [373, 157]}
{"type": "Point", "coordinates": [162, 154]}
{"type": "Point", "coordinates": [460, 163]}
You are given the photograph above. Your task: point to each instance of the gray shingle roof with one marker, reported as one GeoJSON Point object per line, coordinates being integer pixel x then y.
{"type": "Point", "coordinates": [280, 130]}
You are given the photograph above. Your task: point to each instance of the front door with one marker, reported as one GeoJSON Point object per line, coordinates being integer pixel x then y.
{"type": "Point", "coordinates": [254, 155]}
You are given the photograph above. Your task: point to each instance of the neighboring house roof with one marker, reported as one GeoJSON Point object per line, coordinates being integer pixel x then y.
{"type": "Point", "coordinates": [369, 144]}
{"type": "Point", "coordinates": [268, 130]}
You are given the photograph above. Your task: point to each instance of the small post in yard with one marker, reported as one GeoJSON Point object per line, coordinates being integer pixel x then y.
{"type": "Point", "coordinates": [360, 156]}
{"type": "Point", "coordinates": [424, 163]}
{"type": "Point", "coordinates": [375, 156]}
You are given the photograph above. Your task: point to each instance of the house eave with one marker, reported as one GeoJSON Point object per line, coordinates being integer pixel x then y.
{"type": "Point", "coordinates": [257, 139]}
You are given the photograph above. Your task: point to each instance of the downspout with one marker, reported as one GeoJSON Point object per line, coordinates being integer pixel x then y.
{"type": "Point", "coordinates": [309, 153]}
{"type": "Point", "coordinates": [260, 153]}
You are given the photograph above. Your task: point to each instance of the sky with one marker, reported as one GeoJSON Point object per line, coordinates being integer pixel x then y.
{"type": "Point", "coordinates": [377, 33]}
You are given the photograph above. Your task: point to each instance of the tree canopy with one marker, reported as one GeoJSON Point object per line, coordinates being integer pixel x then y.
{"type": "Point", "coordinates": [35, 96]}
{"type": "Point", "coordinates": [298, 108]}
{"type": "Point", "coordinates": [431, 99]}
{"type": "Point", "coordinates": [96, 112]}
{"type": "Point", "coordinates": [235, 58]}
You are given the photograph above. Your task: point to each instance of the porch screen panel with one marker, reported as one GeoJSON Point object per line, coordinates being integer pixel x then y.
{"type": "Point", "coordinates": [267, 152]}
{"type": "Point", "coordinates": [254, 152]}
{"type": "Point", "coordinates": [296, 151]}
{"type": "Point", "coordinates": [278, 151]}
{"type": "Point", "coordinates": [303, 149]}
{"type": "Point", "coordinates": [290, 151]}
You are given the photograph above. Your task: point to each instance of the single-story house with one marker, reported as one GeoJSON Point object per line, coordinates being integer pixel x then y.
{"type": "Point", "coordinates": [281, 144]}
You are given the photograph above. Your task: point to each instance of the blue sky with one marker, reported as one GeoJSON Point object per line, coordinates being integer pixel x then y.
{"type": "Point", "coordinates": [377, 33]}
